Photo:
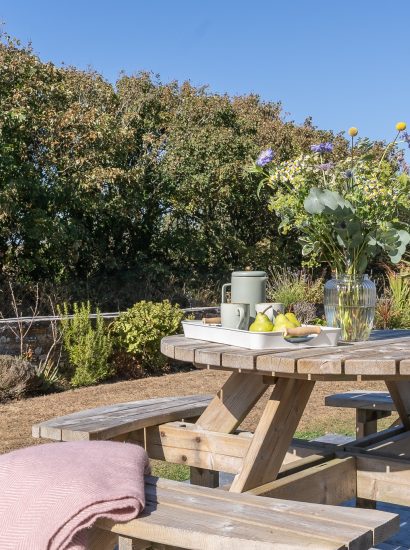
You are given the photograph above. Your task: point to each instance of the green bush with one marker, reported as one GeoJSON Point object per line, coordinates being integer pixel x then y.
{"type": "Point", "coordinates": [88, 347]}
{"type": "Point", "coordinates": [139, 330]}
{"type": "Point", "coordinates": [150, 177]}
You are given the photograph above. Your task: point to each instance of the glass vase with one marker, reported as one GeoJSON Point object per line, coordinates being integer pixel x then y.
{"type": "Point", "coordinates": [350, 304]}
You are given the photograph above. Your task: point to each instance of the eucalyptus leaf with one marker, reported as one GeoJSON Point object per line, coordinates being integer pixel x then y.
{"type": "Point", "coordinates": [324, 201]}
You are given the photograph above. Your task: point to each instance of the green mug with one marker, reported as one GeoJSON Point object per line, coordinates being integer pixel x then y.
{"type": "Point", "coordinates": [235, 316]}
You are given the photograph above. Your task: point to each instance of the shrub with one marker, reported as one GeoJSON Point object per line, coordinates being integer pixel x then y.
{"type": "Point", "coordinates": [305, 312]}
{"type": "Point", "coordinates": [393, 308]}
{"type": "Point", "coordinates": [291, 287]}
{"type": "Point", "coordinates": [387, 317]}
{"type": "Point", "coordinates": [48, 375]}
{"type": "Point", "coordinates": [88, 347]}
{"type": "Point", "coordinates": [139, 330]}
{"type": "Point", "coordinates": [17, 377]}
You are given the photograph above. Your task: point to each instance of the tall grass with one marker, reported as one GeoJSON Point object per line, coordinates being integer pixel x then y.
{"type": "Point", "coordinates": [393, 308]}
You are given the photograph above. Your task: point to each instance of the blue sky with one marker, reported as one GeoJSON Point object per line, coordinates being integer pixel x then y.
{"type": "Point", "coordinates": [342, 62]}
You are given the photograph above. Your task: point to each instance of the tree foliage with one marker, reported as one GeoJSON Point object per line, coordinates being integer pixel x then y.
{"type": "Point", "coordinates": [141, 177]}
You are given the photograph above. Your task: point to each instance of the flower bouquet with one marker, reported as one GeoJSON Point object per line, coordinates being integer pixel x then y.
{"type": "Point", "coordinates": [347, 209]}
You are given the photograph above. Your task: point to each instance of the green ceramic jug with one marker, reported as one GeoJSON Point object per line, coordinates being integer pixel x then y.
{"type": "Point", "coordinates": [247, 287]}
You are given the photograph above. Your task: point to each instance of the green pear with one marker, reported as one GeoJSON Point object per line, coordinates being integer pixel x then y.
{"type": "Point", "coordinates": [282, 323]}
{"type": "Point", "coordinates": [292, 318]}
{"type": "Point", "coordinates": [262, 323]}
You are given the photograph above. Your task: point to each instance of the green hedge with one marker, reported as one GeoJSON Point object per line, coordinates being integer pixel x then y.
{"type": "Point", "coordinates": [143, 177]}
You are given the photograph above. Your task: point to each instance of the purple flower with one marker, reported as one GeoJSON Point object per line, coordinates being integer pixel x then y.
{"type": "Point", "coordinates": [265, 157]}
{"type": "Point", "coordinates": [326, 147]}
{"type": "Point", "coordinates": [348, 174]}
{"type": "Point", "coordinates": [326, 166]}
{"type": "Point", "coordinates": [406, 137]}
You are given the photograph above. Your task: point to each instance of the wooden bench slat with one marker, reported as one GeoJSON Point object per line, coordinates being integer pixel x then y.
{"type": "Point", "coordinates": [211, 519]}
{"type": "Point", "coordinates": [359, 517]}
{"type": "Point", "coordinates": [108, 422]}
{"type": "Point", "coordinates": [370, 400]}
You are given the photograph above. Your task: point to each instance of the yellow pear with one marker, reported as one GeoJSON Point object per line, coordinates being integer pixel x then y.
{"type": "Point", "coordinates": [262, 323]}
{"type": "Point", "coordinates": [292, 318]}
{"type": "Point", "coordinates": [282, 322]}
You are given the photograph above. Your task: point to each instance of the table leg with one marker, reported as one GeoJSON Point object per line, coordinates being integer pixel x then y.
{"type": "Point", "coordinates": [400, 393]}
{"type": "Point", "coordinates": [232, 403]}
{"type": "Point", "coordinates": [224, 414]}
{"type": "Point", "coordinates": [273, 434]}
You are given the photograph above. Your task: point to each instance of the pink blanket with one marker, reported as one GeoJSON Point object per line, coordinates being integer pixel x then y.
{"type": "Point", "coordinates": [50, 494]}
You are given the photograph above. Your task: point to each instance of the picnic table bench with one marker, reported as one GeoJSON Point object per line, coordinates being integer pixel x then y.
{"type": "Point", "coordinates": [370, 407]}
{"type": "Point", "coordinates": [268, 462]}
{"type": "Point", "coordinates": [187, 516]}
{"type": "Point", "coordinates": [184, 516]}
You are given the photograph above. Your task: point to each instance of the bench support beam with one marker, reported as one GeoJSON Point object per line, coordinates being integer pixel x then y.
{"type": "Point", "coordinates": [366, 421]}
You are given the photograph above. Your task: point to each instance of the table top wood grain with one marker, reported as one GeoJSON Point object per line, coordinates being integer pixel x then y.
{"type": "Point", "coordinates": [386, 356]}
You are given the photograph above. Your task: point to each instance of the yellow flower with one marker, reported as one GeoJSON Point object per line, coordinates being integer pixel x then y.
{"type": "Point", "coordinates": [400, 126]}
{"type": "Point", "coordinates": [353, 131]}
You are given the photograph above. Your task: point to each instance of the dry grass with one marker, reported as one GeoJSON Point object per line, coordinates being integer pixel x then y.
{"type": "Point", "coordinates": [16, 418]}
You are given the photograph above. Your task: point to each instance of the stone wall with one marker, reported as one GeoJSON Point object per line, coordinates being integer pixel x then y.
{"type": "Point", "coordinates": [36, 343]}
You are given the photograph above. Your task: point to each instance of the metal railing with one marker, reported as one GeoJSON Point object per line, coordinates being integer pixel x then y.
{"type": "Point", "coordinates": [108, 315]}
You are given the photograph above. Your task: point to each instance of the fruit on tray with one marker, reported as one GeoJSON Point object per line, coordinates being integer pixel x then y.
{"type": "Point", "coordinates": [292, 319]}
{"type": "Point", "coordinates": [282, 322]}
{"type": "Point", "coordinates": [262, 323]}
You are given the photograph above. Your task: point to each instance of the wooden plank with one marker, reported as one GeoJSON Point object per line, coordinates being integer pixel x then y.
{"type": "Point", "coordinates": [164, 524]}
{"type": "Point", "coordinates": [223, 524]}
{"type": "Point", "coordinates": [323, 513]}
{"type": "Point", "coordinates": [259, 517]}
{"type": "Point", "coordinates": [372, 400]}
{"type": "Point", "coordinates": [396, 446]}
{"type": "Point", "coordinates": [295, 466]}
{"type": "Point", "coordinates": [169, 343]}
{"type": "Point", "coordinates": [275, 430]}
{"type": "Point", "coordinates": [383, 361]}
{"type": "Point", "coordinates": [404, 367]}
{"type": "Point", "coordinates": [319, 360]}
{"type": "Point", "coordinates": [183, 349]}
{"type": "Point", "coordinates": [121, 409]}
{"type": "Point", "coordinates": [361, 444]}
{"type": "Point", "coordinates": [301, 512]}
{"type": "Point", "coordinates": [209, 355]}
{"type": "Point", "coordinates": [232, 403]}
{"type": "Point", "coordinates": [329, 482]}
{"type": "Point", "coordinates": [400, 393]}
{"type": "Point", "coordinates": [332, 516]}
{"type": "Point", "coordinates": [223, 520]}
{"type": "Point", "coordinates": [383, 479]}
{"type": "Point", "coordinates": [244, 359]}
{"type": "Point", "coordinates": [108, 422]}
{"type": "Point", "coordinates": [189, 436]}
{"type": "Point", "coordinates": [197, 459]}
{"type": "Point", "coordinates": [186, 352]}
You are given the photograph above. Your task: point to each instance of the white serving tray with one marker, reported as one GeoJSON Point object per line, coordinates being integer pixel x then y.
{"type": "Point", "coordinates": [329, 336]}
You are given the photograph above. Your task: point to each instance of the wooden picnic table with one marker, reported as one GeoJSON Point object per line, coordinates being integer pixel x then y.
{"type": "Point", "coordinates": [373, 468]}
